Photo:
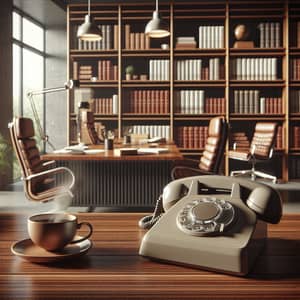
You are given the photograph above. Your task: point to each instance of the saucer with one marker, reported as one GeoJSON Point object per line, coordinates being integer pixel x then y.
{"type": "Point", "coordinates": [26, 249]}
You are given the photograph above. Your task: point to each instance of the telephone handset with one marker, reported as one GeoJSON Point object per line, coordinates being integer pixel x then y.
{"type": "Point", "coordinates": [213, 215]}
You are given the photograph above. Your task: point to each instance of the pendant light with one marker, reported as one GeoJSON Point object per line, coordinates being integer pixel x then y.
{"type": "Point", "coordinates": [157, 27]}
{"type": "Point", "coordinates": [89, 31]}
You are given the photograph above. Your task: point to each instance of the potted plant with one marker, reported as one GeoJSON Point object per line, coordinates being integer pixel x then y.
{"type": "Point", "coordinates": [5, 153]}
{"type": "Point", "coordinates": [129, 72]}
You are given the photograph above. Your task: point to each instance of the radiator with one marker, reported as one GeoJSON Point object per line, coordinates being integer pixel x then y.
{"type": "Point", "coordinates": [118, 183]}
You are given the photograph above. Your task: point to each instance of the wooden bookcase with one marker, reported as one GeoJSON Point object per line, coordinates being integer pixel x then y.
{"type": "Point", "coordinates": [145, 102]}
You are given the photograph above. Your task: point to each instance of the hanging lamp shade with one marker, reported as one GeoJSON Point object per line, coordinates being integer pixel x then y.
{"type": "Point", "coordinates": [89, 31]}
{"type": "Point", "coordinates": [157, 27]}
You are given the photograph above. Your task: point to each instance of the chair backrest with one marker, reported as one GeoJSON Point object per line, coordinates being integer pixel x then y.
{"type": "Point", "coordinates": [88, 132]}
{"type": "Point", "coordinates": [263, 139]}
{"type": "Point", "coordinates": [215, 145]}
{"type": "Point", "coordinates": [22, 137]}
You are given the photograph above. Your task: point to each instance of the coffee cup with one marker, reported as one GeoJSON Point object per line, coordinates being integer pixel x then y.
{"type": "Point", "coordinates": [54, 231]}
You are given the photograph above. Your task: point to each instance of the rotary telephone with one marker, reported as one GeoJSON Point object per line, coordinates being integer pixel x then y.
{"type": "Point", "coordinates": [213, 222]}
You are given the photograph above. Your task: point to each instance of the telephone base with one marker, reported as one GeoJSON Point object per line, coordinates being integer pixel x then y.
{"type": "Point", "coordinates": [230, 259]}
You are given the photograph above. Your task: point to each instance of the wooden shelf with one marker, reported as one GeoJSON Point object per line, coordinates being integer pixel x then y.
{"type": "Point", "coordinates": [184, 19]}
{"type": "Point", "coordinates": [257, 83]}
{"type": "Point", "coordinates": [257, 52]}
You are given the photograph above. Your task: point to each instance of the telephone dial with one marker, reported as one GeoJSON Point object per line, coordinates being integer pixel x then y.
{"type": "Point", "coordinates": [213, 222]}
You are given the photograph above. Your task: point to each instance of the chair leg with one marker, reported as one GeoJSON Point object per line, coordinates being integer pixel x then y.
{"type": "Point", "coordinates": [241, 172]}
{"type": "Point", "coordinates": [265, 175]}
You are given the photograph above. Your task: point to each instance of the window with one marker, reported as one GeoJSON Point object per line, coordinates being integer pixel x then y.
{"type": "Point", "coordinates": [28, 67]}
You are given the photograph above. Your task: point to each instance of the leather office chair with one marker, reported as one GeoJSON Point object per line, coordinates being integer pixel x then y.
{"type": "Point", "coordinates": [88, 133]}
{"type": "Point", "coordinates": [38, 176]}
{"type": "Point", "coordinates": [261, 149]}
{"type": "Point", "coordinates": [212, 156]}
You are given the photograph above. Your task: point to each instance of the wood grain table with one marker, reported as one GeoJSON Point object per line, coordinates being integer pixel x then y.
{"type": "Point", "coordinates": [113, 269]}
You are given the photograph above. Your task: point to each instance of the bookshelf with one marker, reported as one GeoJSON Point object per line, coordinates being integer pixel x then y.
{"type": "Point", "coordinates": [175, 89]}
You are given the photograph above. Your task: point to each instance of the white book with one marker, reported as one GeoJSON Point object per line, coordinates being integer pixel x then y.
{"type": "Point", "coordinates": [200, 41]}
{"type": "Point", "coordinates": [256, 69]}
{"type": "Point", "coordinates": [150, 69]}
{"type": "Point", "coordinates": [261, 31]}
{"type": "Point", "coordinates": [273, 68]}
{"type": "Point", "coordinates": [251, 101]}
{"type": "Point", "coordinates": [221, 35]}
{"type": "Point", "coordinates": [261, 69]}
{"type": "Point", "coordinates": [201, 103]}
{"type": "Point", "coordinates": [168, 69]}
{"type": "Point", "coordinates": [241, 102]}
{"type": "Point", "coordinates": [262, 105]}
{"type": "Point", "coordinates": [246, 102]}
{"type": "Point", "coordinates": [115, 104]}
{"type": "Point", "coordinates": [178, 70]}
{"type": "Point", "coordinates": [252, 69]}
{"type": "Point", "coordinates": [196, 101]}
{"type": "Point", "coordinates": [213, 36]}
{"type": "Point", "coordinates": [243, 68]}
{"type": "Point", "coordinates": [265, 69]}
{"type": "Point", "coordinates": [204, 37]}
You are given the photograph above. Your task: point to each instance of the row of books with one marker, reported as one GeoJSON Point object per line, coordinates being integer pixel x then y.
{"type": "Point", "coordinates": [295, 68]}
{"type": "Point", "coordinates": [109, 39]}
{"type": "Point", "coordinates": [152, 130]}
{"type": "Point", "coordinates": [148, 102]}
{"type": "Point", "coordinates": [211, 37]}
{"type": "Point", "coordinates": [83, 73]}
{"type": "Point", "coordinates": [249, 101]}
{"type": "Point", "coordinates": [269, 35]}
{"type": "Point", "coordinates": [194, 102]}
{"type": "Point", "coordinates": [106, 71]}
{"type": "Point", "coordinates": [159, 69]}
{"type": "Point", "coordinates": [295, 136]}
{"type": "Point", "coordinates": [260, 68]}
{"type": "Point", "coordinates": [192, 69]}
{"type": "Point", "coordinates": [295, 101]}
{"type": "Point", "coordinates": [136, 40]}
{"type": "Point", "coordinates": [191, 137]}
{"type": "Point", "coordinates": [105, 106]}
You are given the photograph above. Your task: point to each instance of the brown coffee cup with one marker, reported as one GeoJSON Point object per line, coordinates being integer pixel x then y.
{"type": "Point", "coordinates": [54, 231]}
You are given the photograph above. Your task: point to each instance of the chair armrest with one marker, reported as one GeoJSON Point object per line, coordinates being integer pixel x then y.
{"type": "Point", "coordinates": [181, 172]}
{"type": "Point", "coordinates": [187, 162]}
{"type": "Point", "coordinates": [53, 171]}
{"type": "Point", "coordinates": [49, 163]}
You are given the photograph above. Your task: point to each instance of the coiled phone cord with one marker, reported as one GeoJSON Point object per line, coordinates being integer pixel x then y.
{"type": "Point", "coordinates": [148, 221]}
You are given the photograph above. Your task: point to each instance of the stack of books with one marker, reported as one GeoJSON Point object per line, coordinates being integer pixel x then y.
{"type": "Point", "coordinates": [136, 40]}
{"type": "Point", "coordinates": [192, 137]}
{"type": "Point", "coordinates": [211, 37]}
{"type": "Point", "coordinates": [295, 68]}
{"type": "Point", "coordinates": [295, 101]}
{"type": "Point", "coordinates": [105, 106]}
{"type": "Point", "coordinates": [185, 42]}
{"type": "Point", "coordinates": [152, 130]}
{"type": "Point", "coordinates": [85, 73]}
{"type": "Point", "coordinates": [295, 136]}
{"type": "Point", "coordinates": [279, 139]}
{"type": "Point", "coordinates": [269, 35]}
{"type": "Point", "coordinates": [107, 71]}
{"type": "Point", "coordinates": [159, 69]}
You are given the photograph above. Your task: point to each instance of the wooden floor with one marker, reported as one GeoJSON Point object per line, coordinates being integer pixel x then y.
{"type": "Point", "coordinates": [114, 270]}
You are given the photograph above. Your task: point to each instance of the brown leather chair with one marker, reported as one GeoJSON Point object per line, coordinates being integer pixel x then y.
{"type": "Point", "coordinates": [88, 132]}
{"type": "Point", "coordinates": [261, 149]}
{"type": "Point", "coordinates": [38, 176]}
{"type": "Point", "coordinates": [212, 156]}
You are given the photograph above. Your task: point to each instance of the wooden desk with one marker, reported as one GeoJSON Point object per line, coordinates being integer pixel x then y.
{"type": "Point", "coordinates": [108, 179]}
{"type": "Point", "coordinates": [114, 270]}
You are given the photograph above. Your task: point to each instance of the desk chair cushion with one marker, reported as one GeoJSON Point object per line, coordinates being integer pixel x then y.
{"type": "Point", "coordinates": [211, 156]}
{"type": "Point", "coordinates": [30, 156]}
{"type": "Point", "coordinates": [244, 155]}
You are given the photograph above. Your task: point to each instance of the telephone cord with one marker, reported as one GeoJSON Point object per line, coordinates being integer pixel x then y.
{"type": "Point", "coordinates": [148, 221]}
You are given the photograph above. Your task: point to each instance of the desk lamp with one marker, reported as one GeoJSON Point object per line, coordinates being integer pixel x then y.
{"type": "Point", "coordinates": [67, 86]}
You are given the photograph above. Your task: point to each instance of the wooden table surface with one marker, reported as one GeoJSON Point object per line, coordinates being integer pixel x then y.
{"type": "Point", "coordinates": [113, 269]}
{"type": "Point", "coordinates": [172, 154]}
